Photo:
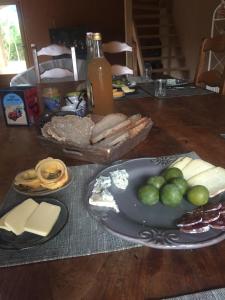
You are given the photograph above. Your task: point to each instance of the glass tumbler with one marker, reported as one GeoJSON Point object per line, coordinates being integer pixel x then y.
{"type": "Point", "coordinates": [160, 87]}
{"type": "Point", "coordinates": [147, 76]}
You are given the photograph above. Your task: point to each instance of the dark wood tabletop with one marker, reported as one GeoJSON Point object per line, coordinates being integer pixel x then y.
{"type": "Point", "coordinates": [180, 125]}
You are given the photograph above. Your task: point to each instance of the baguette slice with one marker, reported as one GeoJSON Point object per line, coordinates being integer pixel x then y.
{"type": "Point", "coordinates": [213, 179]}
{"type": "Point", "coordinates": [135, 118]}
{"type": "Point", "coordinates": [107, 122]}
{"type": "Point", "coordinates": [181, 162]}
{"type": "Point", "coordinates": [135, 126]}
{"type": "Point", "coordinates": [114, 140]}
{"type": "Point", "coordinates": [138, 126]}
{"type": "Point", "coordinates": [111, 131]}
{"type": "Point", "coordinates": [195, 167]}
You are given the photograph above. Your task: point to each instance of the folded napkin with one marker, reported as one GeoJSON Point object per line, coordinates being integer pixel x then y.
{"type": "Point", "coordinates": [217, 294]}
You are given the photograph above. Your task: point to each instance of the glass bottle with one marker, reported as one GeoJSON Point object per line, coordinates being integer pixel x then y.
{"type": "Point", "coordinates": [100, 77]}
{"type": "Point", "coordinates": [89, 45]}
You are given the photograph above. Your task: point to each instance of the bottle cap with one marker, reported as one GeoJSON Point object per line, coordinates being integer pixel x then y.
{"type": "Point", "coordinates": [97, 36]}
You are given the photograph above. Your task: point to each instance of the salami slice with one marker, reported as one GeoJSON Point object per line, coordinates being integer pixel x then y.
{"type": "Point", "coordinates": [219, 223]}
{"type": "Point", "coordinates": [189, 219]}
{"type": "Point", "coordinates": [210, 216]}
{"type": "Point", "coordinates": [197, 228]}
{"type": "Point", "coordinates": [222, 208]}
{"type": "Point", "coordinates": [212, 206]}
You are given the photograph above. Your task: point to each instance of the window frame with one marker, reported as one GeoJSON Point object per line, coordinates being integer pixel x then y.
{"type": "Point", "coordinates": [22, 32]}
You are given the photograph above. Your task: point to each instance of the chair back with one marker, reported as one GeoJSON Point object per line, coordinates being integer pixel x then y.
{"type": "Point", "coordinates": [54, 73]}
{"type": "Point", "coordinates": [214, 77]}
{"type": "Point", "coordinates": [119, 47]}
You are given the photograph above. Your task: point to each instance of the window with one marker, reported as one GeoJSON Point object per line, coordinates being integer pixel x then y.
{"type": "Point", "coordinates": [12, 56]}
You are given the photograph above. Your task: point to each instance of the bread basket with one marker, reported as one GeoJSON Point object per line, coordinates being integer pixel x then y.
{"type": "Point", "coordinates": [95, 153]}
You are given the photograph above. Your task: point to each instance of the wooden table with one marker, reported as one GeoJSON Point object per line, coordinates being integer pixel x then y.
{"type": "Point", "coordinates": [180, 125]}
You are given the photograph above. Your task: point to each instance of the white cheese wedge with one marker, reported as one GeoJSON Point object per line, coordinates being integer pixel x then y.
{"type": "Point", "coordinates": [105, 199]}
{"type": "Point", "coordinates": [17, 217]}
{"type": "Point", "coordinates": [213, 179]}
{"type": "Point", "coordinates": [195, 167]}
{"type": "Point", "coordinates": [181, 162]}
{"type": "Point", "coordinates": [43, 219]}
{"type": "Point", "coordinates": [2, 222]}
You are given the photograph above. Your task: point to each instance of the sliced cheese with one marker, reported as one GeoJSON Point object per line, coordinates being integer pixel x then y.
{"type": "Point", "coordinates": [17, 217]}
{"type": "Point", "coordinates": [195, 167]}
{"type": "Point", "coordinates": [213, 179]}
{"type": "Point", "coordinates": [126, 89]}
{"type": "Point", "coordinates": [181, 162]}
{"type": "Point", "coordinates": [2, 222]}
{"type": "Point", "coordinates": [43, 219]}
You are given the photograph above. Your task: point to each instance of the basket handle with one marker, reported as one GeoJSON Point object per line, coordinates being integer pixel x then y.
{"type": "Point", "coordinates": [66, 151]}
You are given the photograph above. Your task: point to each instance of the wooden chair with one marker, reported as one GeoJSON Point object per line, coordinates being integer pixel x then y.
{"type": "Point", "coordinates": [118, 47]}
{"type": "Point", "coordinates": [213, 77]}
{"type": "Point", "coordinates": [64, 80]}
{"type": "Point", "coordinates": [54, 73]}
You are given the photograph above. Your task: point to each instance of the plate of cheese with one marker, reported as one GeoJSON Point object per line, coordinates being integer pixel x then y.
{"type": "Point", "coordinates": [31, 223]}
{"type": "Point", "coordinates": [113, 200]}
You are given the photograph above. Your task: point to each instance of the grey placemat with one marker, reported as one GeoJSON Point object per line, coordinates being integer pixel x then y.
{"type": "Point", "coordinates": [81, 236]}
{"type": "Point", "coordinates": [139, 93]}
{"type": "Point", "coordinates": [179, 91]}
{"type": "Point", "coordinates": [217, 294]}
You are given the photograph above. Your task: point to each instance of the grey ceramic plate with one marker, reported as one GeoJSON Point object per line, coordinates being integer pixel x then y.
{"type": "Point", "coordinates": [43, 191]}
{"type": "Point", "coordinates": [10, 241]}
{"type": "Point", "coordinates": [153, 226]}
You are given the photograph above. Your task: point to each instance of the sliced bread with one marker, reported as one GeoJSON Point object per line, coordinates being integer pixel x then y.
{"type": "Point", "coordinates": [111, 131]}
{"type": "Point", "coordinates": [107, 122]}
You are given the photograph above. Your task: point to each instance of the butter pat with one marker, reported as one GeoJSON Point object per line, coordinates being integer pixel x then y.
{"type": "Point", "coordinates": [43, 219]}
{"type": "Point", "coordinates": [17, 217]}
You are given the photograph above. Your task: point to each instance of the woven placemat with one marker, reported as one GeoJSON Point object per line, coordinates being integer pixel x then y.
{"type": "Point", "coordinates": [179, 91]}
{"type": "Point", "coordinates": [139, 93]}
{"type": "Point", "coordinates": [216, 294]}
{"type": "Point", "coordinates": [81, 236]}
